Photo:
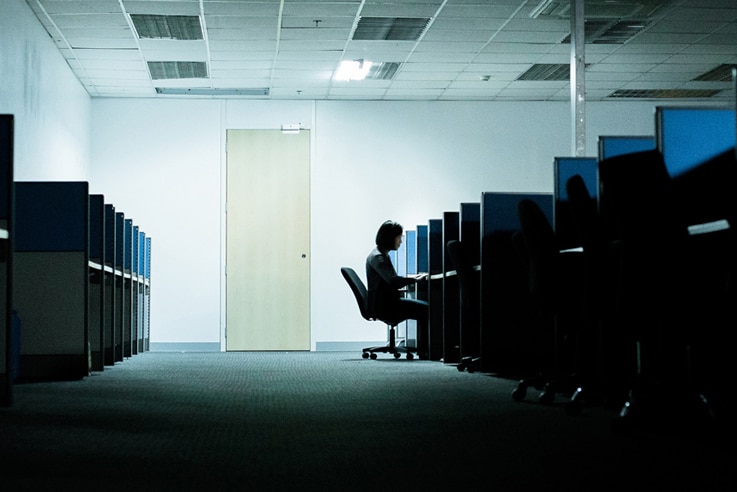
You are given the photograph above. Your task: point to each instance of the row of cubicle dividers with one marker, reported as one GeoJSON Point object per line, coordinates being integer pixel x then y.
{"type": "Point", "coordinates": [75, 275]}
{"type": "Point", "coordinates": [503, 336]}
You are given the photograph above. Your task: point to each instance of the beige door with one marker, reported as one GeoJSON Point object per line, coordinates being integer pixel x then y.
{"type": "Point", "coordinates": [268, 240]}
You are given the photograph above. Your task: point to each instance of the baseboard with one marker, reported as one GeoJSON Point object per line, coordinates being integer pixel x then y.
{"type": "Point", "coordinates": [184, 347]}
{"type": "Point", "coordinates": [345, 346]}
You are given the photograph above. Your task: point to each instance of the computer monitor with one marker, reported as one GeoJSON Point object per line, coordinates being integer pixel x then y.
{"type": "Point", "coordinates": [611, 145]}
{"type": "Point", "coordinates": [690, 136]}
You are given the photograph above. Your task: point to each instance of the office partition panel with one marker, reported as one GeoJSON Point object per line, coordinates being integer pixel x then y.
{"type": "Point", "coordinates": [564, 223]}
{"type": "Point", "coordinates": [422, 290]}
{"type": "Point", "coordinates": [121, 302]}
{"type": "Point", "coordinates": [109, 270]}
{"type": "Point", "coordinates": [611, 145]}
{"type": "Point", "coordinates": [451, 295]}
{"type": "Point", "coordinates": [147, 298]}
{"type": "Point", "coordinates": [470, 237]}
{"type": "Point", "coordinates": [8, 347]}
{"type": "Point", "coordinates": [51, 262]}
{"type": "Point", "coordinates": [435, 252]}
{"type": "Point", "coordinates": [689, 136]}
{"type": "Point", "coordinates": [97, 283]}
{"type": "Point", "coordinates": [513, 338]}
{"type": "Point", "coordinates": [128, 288]}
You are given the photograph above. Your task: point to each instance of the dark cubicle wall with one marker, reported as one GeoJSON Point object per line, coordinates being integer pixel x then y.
{"type": "Point", "coordinates": [140, 305]}
{"type": "Point", "coordinates": [109, 273]}
{"type": "Point", "coordinates": [97, 282]}
{"type": "Point", "coordinates": [135, 288]}
{"type": "Point", "coordinates": [514, 338]}
{"type": "Point", "coordinates": [435, 251]}
{"type": "Point", "coordinates": [51, 261]}
{"type": "Point", "coordinates": [564, 223]}
{"type": "Point", "coordinates": [422, 289]}
{"type": "Point", "coordinates": [147, 298]}
{"type": "Point", "coordinates": [451, 298]}
{"type": "Point", "coordinates": [689, 136]}
{"type": "Point", "coordinates": [128, 288]}
{"type": "Point", "coordinates": [612, 145]}
{"type": "Point", "coordinates": [121, 303]}
{"type": "Point", "coordinates": [7, 352]}
{"type": "Point", "coordinates": [470, 237]}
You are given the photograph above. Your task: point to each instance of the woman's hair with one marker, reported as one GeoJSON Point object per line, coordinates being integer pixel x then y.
{"type": "Point", "coordinates": [386, 234]}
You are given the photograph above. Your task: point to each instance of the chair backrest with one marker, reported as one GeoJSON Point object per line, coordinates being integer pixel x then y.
{"type": "Point", "coordinates": [358, 289]}
{"type": "Point", "coordinates": [541, 247]}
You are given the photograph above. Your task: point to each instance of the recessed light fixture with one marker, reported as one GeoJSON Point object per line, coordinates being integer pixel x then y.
{"type": "Point", "coordinates": [353, 70]}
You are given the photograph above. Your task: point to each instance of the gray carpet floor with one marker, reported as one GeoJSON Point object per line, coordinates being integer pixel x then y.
{"type": "Point", "coordinates": [329, 421]}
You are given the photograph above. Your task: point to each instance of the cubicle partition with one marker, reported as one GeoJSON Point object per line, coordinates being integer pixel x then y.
{"type": "Point", "coordinates": [564, 221]}
{"type": "Point", "coordinates": [470, 237]}
{"type": "Point", "coordinates": [147, 298]}
{"type": "Point", "coordinates": [8, 353]}
{"type": "Point", "coordinates": [121, 306]}
{"type": "Point", "coordinates": [451, 298]}
{"type": "Point", "coordinates": [109, 274]}
{"type": "Point", "coordinates": [97, 281]}
{"type": "Point", "coordinates": [613, 145]}
{"type": "Point", "coordinates": [127, 290]}
{"type": "Point", "coordinates": [435, 252]}
{"type": "Point", "coordinates": [50, 278]}
{"type": "Point", "coordinates": [513, 337]}
{"type": "Point", "coordinates": [422, 290]}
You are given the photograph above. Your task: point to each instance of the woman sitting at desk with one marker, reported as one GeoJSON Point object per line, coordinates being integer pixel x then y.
{"type": "Point", "coordinates": [385, 300]}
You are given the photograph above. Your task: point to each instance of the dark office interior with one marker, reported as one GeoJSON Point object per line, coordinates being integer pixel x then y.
{"type": "Point", "coordinates": [579, 337]}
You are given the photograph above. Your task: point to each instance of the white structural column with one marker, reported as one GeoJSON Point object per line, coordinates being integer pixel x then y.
{"type": "Point", "coordinates": [578, 83]}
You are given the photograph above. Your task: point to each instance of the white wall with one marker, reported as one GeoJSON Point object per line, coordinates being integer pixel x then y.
{"type": "Point", "coordinates": [409, 161]}
{"type": "Point", "coordinates": [50, 106]}
{"type": "Point", "coordinates": [161, 163]}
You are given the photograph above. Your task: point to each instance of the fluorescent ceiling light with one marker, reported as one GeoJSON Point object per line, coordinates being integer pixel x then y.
{"type": "Point", "coordinates": [353, 70]}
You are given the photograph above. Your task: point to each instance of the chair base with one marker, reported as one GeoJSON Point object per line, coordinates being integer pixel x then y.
{"type": "Point", "coordinates": [470, 364]}
{"type": "Point", "coordinates": [394, 348]}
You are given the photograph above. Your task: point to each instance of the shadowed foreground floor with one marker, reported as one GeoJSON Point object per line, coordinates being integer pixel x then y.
{"type": "Point", "coordinates": [328, 421]}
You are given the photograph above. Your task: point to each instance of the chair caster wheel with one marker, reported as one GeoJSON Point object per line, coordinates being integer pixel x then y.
{"type": "Point", "coordinates": [519, 393]}
{"type": "Point", "coordinates": [373, 356]}
{"type": "Point", "coordinates": [365, 355]}
{"type": "Point", "coordinates": [547, 397]}
{"type": "Point", "coordinates": [397, 355]}
{"type": "Point", "coordinates": [410, 356]}
{"type": "Point", "coordinates": [471, 369]}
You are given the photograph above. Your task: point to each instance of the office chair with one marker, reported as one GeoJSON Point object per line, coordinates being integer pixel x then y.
{"type": "Point", "coordinates": [555, 282]}
{"type": "Point", "coordinates": [392, 347]}
{"type": "Point", "coordinates": [469, 285]}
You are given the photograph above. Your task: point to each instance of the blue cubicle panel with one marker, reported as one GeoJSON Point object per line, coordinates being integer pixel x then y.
{"type": "Point", "coordinates": [121, 300]}
{"type": "Point", "coordinates": [423, 264]}
{"type": "Point", "coordinates": [128, 245]}
{"type": "Point", "coordinates": [51, 265]}
{"type": "Point", "coordinates": [510, 324]}
{"type": "Point", "coordinates": [470, 230]}
{"type": "Point", "coordinates": [9, 343]}
{"type": "Point", "coordinates": [689, 136]}
{"type": "Point", "coordinates": [109, 279]}
{"type": "Point", "coordinates": [411, 245]}
{"type": "Point", "coordinates": [435, 252]}
{"type": "Point", "coordinates": [613, 145]}
{"type": "Point", "coordinates": [564, 168]}
{"type": "Point", "coordinates": [451, 299]}
{"type": "Point", "coordinates": [97, 281]}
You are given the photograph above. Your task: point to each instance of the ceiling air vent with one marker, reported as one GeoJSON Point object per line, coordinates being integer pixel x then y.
{"type": "Point", "coordinates": [547, 72]}
{"type": "Point", "coordinates": [601, 31]}
{"type": "Point", "coordinates": [390, 28]}
{"type": "Point", "coordinates": [663, 93]}
{"type": "Point", "coordinates": [383, 71]}
{"type": "Point", "coordinates": [181, 27]}
{"type": "Point", "coordinates": [722, 73]}
{"type": "Point", "coordinates": [602, 9]}
{"type": "Point", "coordinates": [177, 70]}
